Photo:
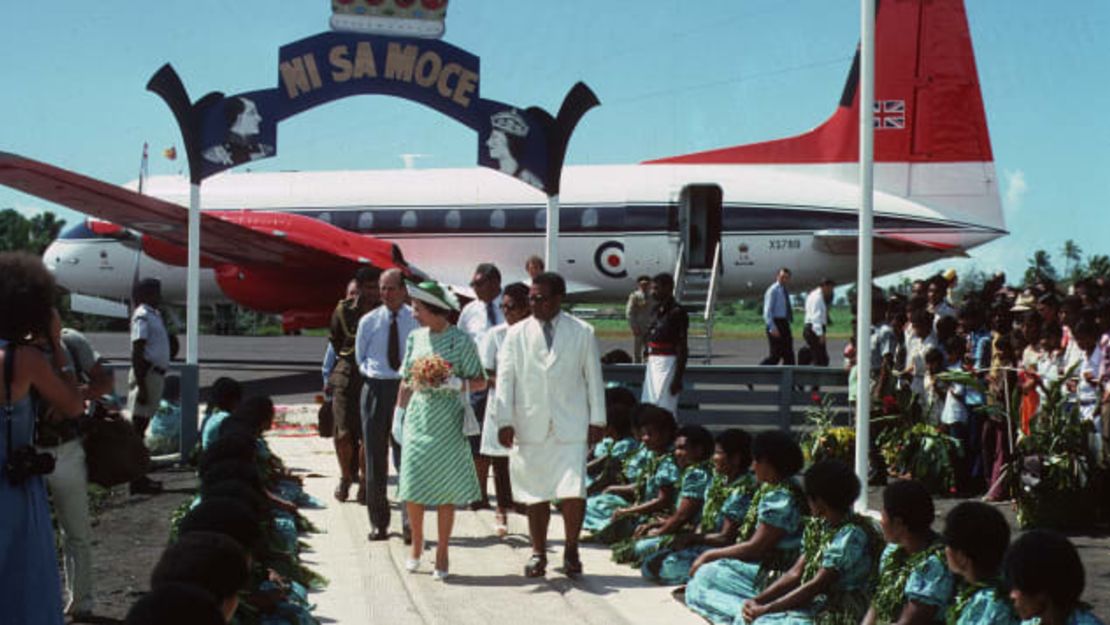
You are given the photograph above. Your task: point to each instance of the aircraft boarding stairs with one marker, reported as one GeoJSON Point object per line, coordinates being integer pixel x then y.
{"type": "Point", "coordinates": [696, 291]}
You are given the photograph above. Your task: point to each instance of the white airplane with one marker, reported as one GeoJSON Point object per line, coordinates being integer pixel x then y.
{"type": "Point", "coordinates": [287, 242]}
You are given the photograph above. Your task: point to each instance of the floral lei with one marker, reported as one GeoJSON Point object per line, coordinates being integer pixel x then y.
{"type": "Point", "coordinates": [720, 489]}
{"type": "Point", "coordinates": [969, 590]}
{"type": "Point", "coordinates": [889, 592]}
{"type": "Point", "coordinates": [819, 534]}
{"type": "Point", "coordinates": [751, 519]}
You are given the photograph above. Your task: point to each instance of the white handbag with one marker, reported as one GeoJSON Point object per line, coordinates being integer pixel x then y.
{"type": "Point", "coordinates": [470, 425]}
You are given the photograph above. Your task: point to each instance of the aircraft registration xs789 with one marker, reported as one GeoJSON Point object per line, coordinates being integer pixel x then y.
{"type": "Point", "coordinates": [287, 242]}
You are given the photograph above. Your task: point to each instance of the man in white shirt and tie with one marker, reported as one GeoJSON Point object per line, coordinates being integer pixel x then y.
{"type": "Point", "coordinates": [550, 403]}
{"type": "Point", "coordinates": [379, 348]}
{"type": "Point", "coordinates": [477, 319]}
{"type": "Point", "coordinates": [777, 316]}
{"type": "Point", "coordinates": [817, 322]}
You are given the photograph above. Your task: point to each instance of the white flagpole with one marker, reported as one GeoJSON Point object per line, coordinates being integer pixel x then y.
{"type": "Point", "coordinates": [866, 220]}
{"type": "Point", "coordinates": [551, 243]}
{"type": "Point", "coordinates": [190, 374]}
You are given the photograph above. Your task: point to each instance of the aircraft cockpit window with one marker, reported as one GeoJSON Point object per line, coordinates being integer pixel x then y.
{"type": "Point", "coordinates": [452, 220]}
{"type": "Point", "coordinates": [366, 221]}
{"type": "Point", "coordinates": [541, 219]}
{"type": "Point", "coordinates": [408, 220]}
{"type": "Point", "coordinates": [589, 219]}
{"type": "Point", "coordinates": [497, 219]}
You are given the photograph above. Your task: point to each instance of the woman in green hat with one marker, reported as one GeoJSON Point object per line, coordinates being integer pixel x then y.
{"type": "Point", "coordinates": [436, 469]}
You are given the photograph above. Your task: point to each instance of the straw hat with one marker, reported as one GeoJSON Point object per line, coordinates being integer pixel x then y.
{"type": "Point", "coordinates": [432, 292]}
{"type": "Point", "coordinates": [1024, 302]}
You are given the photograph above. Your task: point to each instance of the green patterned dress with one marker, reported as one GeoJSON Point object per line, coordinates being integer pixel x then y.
{"type": "Point", "coordinates": [723, 500]}
{"type": "Point", "coordinates": [656, 470]}
{"type": "Point", "coordinates": [691, 485]}
{"type": "Point", "coordinates": [437, 468]}
{"type": "Point", "coordinates": [718, 590]}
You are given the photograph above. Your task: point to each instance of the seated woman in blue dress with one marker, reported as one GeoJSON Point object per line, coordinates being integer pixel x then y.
{"type": "Point", "coordinates": [609, 516]}
{"type": "Point", "coordinates": [223, 399]}
{"type": "Point", "coordinates": [727, 498]}
{"type": "Point", "coordinates": [831, 581]}
{"type": "Point", "coordinates": [976, 536]}
{"type": "Point", "coordinates": [915, 586]}
{"type": "Point", "coordinates": [1046, 580]}
{"type": "Point", "coordinates": [769, 539]}
{"type": "Point", "coordinates": [693, 446]}
{"type": "Point", "coordinates": [608, 457]}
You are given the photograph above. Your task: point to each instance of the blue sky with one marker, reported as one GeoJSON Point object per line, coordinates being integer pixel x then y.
{"type": "Point", "coordinates": [673, 77]}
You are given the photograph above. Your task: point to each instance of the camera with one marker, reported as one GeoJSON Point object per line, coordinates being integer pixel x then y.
{"type": "Point", "coordinates": [25, 462]}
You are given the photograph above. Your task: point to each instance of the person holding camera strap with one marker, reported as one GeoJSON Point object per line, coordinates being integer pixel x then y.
{"type": "Point", "coordinates": [31, 592]}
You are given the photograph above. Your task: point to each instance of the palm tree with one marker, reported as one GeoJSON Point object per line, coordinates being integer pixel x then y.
{"type": "Point", "coordinates": [1072, 255]}
{"type": "Point", "coordinates": [1040, 266]}
{"type": "Point", "coordinates": [1098, 266]}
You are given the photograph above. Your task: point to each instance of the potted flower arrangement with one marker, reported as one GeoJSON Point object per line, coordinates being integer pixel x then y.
{"type": "Point", "coordinates": [826, 440]}
{"type": "Point", "coordinates": [913, 447]}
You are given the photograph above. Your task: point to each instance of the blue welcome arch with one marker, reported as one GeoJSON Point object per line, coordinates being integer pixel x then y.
{"type": "Point", "coordinates": [221, 132]}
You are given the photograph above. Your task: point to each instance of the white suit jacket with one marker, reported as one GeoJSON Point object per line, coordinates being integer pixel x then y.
{"type": "Point", "coordinates": [550, 395]}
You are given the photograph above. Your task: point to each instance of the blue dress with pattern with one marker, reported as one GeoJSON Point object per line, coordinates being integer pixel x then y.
{"type": "Point", "coordinates": [852, 555]}
{"type": "Point", "coordinates": [718, 590]}
{"type": "Point", "coordinates": [31, 592]}
{"type": "Point", "coordinates": [692, 485]}
{"type": "Point", "coordinates": [987, 606]}
{"type": "Point", "coordinates": [672, 567]}
{"type": "Point", "coordinates": [600, 508]}
{"type": "Point", "coordinates": [929, 583]}
{"type": "Point", "coordinates": [617, 454]}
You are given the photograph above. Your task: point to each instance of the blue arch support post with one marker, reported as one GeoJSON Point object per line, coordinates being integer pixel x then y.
{"type": "Point", "coordinates": [221, 132]}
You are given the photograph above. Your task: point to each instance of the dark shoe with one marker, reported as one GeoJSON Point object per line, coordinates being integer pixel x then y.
{"type": "Point", "coordinates": [343, 490]}
{"type": "Point", "coordinates": [406, 535]}
{"type": "Point", "coordinates": [378, 534]}
{"type": "Point", "coordinates": [145, 486]}
{"type": "Point", "coordinates": [537, 566]}
{"type": "Point", "coordinates": [572, 565]}
{"type": "Point", "coordinates": [481, 504]}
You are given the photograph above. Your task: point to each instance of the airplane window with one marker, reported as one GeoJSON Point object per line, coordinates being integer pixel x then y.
{"type": "Point", "coordinates": [366, 221]}
{"type": "Point", "coordinates": [324, 217]}
{"type": "Point", "coordinates": [452, 220]}
{"type": "Point", "coordinates": [497, 219]}
{"type": "Point", "coordinates": [541, 219]}
{"type": "Point", "coordinates": [408, 220]}
{"type": "Point", "coordinates": [589, 219]}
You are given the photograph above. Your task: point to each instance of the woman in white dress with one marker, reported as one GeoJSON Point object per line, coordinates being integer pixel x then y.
{"type": "Point", "coordinates": [514, 305]}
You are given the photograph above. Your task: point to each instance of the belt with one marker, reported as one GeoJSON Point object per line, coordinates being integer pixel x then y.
{"type": "Point", "coordinates": [661, 349]}
{"type": "Point", "coordinates": [158, 370]}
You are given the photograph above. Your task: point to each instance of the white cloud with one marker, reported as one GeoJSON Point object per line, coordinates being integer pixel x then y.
{"type": "Point", "coordinates": [1016, 188]}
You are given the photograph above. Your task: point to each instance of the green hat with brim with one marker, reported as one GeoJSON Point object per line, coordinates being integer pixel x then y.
{"type": "Point", "coordinates": [432, 292]}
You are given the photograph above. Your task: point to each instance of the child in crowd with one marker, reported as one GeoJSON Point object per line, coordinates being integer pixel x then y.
{"type": "Point", "coordinates": [915, 585]}
{"type": "Point", "coordinates": [936, 390]}
{"type": "Point", "coordinates": [954, 415]}
{"type": "Point", "coordinates": [693, 447]}
{"type": "Point", "coordinates": [609, 516]}
{"type": "Point", "coordinates": [976, 536]}
{"type": "Point", "coordinates": [830, 583]}
{"type": "Point", "coordinates": [727, 497]}
{"type": "Point", "coordinates": [1089, 385]}
{"type": "Point", "coordinates": [769, 539]}
{"type": "Point", "coordinates": [1046, 580]}
{"type": "Point", "coordinates": [164, 434]}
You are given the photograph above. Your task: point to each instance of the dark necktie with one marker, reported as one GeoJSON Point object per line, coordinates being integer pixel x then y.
{"type": "Point", "coordinates": [548, 334]}
{"type": "Point", "coordinates": [394, 344]}
{"type": "Point", "coordinates": [491, 315]}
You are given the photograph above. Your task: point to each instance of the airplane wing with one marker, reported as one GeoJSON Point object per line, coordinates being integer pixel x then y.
{"type": "Point", "coordinates": [235, 237]}
{"type": "Point", "coordinates": [846, 242]}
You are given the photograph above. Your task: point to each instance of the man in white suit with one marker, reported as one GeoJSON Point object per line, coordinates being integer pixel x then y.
{"type": "Point", "coordinates": [550, 404]}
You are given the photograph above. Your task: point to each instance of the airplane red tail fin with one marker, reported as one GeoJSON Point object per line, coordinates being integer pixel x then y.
{"type": "Point", "coordinates": [928, 106]}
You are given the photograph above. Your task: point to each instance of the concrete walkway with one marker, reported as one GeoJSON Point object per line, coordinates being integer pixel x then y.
{"type": "Point", "coordinates": [369, 583]}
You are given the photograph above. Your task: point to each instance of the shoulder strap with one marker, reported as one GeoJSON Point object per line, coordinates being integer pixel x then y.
{"type": "Point", "coordinates": [9, 374]}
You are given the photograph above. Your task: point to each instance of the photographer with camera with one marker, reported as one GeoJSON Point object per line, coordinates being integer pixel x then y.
{"type": "Point", "coordinates": [31, 592]}
{"type": "Point", "coordinates": [61, 437]}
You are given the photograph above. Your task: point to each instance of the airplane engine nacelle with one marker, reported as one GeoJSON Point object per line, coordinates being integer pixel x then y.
{"type": "Point", "coordinates": [277, 290]}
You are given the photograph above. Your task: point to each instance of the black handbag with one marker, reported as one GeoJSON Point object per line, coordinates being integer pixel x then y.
{"type": "Point", "coordinates": [114, 451]}
{"type": "Point", "coordinates": [325, 420]}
